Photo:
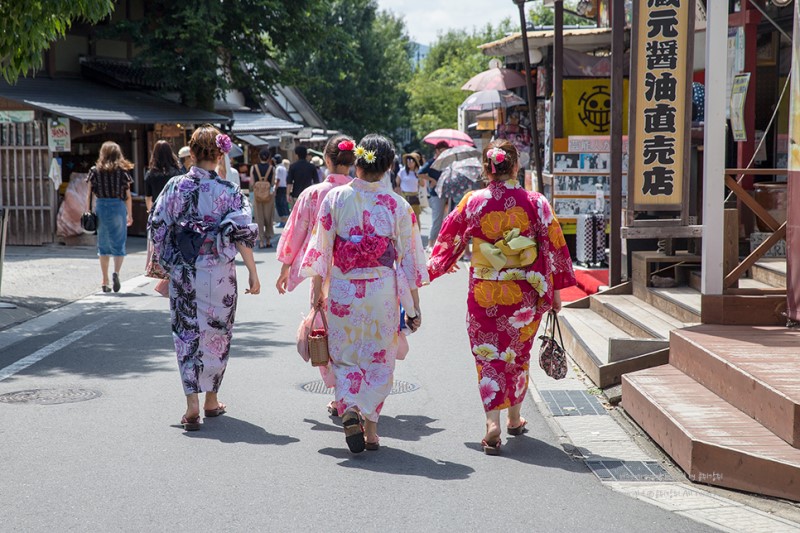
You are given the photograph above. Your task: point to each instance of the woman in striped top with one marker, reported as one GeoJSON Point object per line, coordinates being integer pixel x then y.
{"type": "Point", "coordinates": [110, 182]}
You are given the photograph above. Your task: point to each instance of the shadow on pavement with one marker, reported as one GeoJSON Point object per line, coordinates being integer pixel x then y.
{"type": "Point", "coordinates": [533, 451]}
{"type": "Point", "coordinates": [231, 430]}
{"type": "Point", "coordinates": [400, 427]}
{"type": "Point", "coordinates": [399, 462]}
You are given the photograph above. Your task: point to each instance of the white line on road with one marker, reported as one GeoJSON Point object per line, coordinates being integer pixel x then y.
{"type": "Point", "coordinates": [50, 349]}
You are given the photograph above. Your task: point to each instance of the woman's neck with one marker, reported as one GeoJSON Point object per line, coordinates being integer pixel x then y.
{"type": "Point", "coordinates": [342, 170]}
{"type": "Point", "coordinates": [373, 178]}
{"type": "Point", "coordinates": [207, 165]}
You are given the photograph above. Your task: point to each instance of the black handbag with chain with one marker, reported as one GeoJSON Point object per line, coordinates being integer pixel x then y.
{"type": "Point", "coordinates": [552, 356]}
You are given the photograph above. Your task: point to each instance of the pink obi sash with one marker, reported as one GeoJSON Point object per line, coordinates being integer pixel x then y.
{"type": "Point", "coordinates": [367, 251]}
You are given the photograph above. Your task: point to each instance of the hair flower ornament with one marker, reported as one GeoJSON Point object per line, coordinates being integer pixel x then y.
{"type": "Point", "coordinates": [496, 156]}
{"type": "Point", "coordinates": [224, 143]}
{"type": "Point", "coordinates": [370, 156]}
{"type": "Point", "coordinates": [346, 146]}
{"type": "Point", "coordinates": [360, 152]}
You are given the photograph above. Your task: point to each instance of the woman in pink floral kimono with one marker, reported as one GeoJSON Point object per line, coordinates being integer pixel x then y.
{"type": "Point", "coordinates": [339, 157]}
{"type": "Point", "coordinates": [519, 263]}
{"type": "Point", "coordinates": [367, 246]}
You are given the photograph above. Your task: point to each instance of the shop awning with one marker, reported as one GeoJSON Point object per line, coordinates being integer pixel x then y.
{"type": "Point", "coordinates": [581, 39]}
{"type": "Point", "coordinates": [85, 101]}
{"type": "Point", "coordinates": [255, 123]}
{"type": "Point", "coordinates": [253, 140]}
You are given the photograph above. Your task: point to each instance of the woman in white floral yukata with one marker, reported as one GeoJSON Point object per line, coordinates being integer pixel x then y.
{"type": "Point", "coordinates": [198, 224]}
{"type": "Point", "coordinates": [367, 245]}
{"type": "Point", "coordinates": [519, 264]}
{"type": "Point", "coordinates": [339, 157]}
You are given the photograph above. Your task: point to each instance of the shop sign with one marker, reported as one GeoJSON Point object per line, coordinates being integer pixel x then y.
{"type": "Point", "coordinates": [16, 116]}
{"type": "Point", "coordinates": [587, 106]}
{"type": "Point", "coordinates": [58, 135]}
{"type": "Point", "coordinates": [661, 104]}
{"type": "Point", "coordinates": [738, 97]}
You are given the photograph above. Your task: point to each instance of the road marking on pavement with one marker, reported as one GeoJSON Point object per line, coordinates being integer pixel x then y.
{"type": "Point", "coordinates": [48, 350]}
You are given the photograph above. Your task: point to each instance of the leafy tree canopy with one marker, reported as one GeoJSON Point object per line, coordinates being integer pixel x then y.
{"type": "Point", "coordinates": [29, 26]}
{"type": "Point", "coordinates": [206, 47]}
{"type": "Point", "coordinates": [542, 15]}
{"type": "Point", "coordinates": [435, 91]}
{"type": "Point", "coordinates": [356, 77]}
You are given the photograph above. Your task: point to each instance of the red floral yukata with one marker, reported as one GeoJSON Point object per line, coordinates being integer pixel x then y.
{"type": "Point", "coordinates": [519, 259]}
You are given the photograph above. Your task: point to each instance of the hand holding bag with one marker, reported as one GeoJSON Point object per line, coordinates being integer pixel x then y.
{"type": "Point", "coordinates": [552, 356]}
{"type": "Point", "coordinates": [89, 219]}
{"type": "Point", "coordinates": [310, 323]}
{"type": "Point", "coordinates": [318, 341]}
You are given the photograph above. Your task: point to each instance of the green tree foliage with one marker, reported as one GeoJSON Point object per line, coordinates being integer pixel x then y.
{"type": "Point", "coordinates": [435, 91]}
{"type": "Point", "coordinates": [356, 78]}
{"type": "Point", "coordinates": [29, 26]}
{"type": "Point", "coordinates": [205, 47]}
{"type": "Point", "coordinates": [542, 16]}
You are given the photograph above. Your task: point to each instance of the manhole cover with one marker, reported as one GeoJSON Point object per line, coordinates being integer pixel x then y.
{"type": "Point", "coordinates": [50, 396]}
{"type": "Point", "coordinates": [318, 387]}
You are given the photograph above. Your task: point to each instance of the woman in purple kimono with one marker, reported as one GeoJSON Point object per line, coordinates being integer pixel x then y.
{"type": "Point", "coordinates": [198, 224]}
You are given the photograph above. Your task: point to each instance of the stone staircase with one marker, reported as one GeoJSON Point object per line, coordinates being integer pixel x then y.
{"type": "Point", "coordinates": [727, 406]}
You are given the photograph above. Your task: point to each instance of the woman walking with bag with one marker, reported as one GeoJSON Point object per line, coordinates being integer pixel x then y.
{"type": "Point", "coordinates": [262, 176]}
{"type": "Point", "coordinates": [367, 247]}
{"type": "Point", "coordinates": [198, 224]}
{"type": "Point", "coordinates": [110, 181]}
{"type": "Point", "coordinates": [408, 182]}
{"type": "Point", "coordinates": [163, 166]}
{"type": "Point", "coordinates": [519, 263]}
{"type": "Point", "coordinates": [339, 157]}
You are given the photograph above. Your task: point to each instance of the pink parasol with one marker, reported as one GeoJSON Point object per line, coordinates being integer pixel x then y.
{"type": "Point", "coordinates": [451, 137]}
{"type": "Point", "coordinates": [497, 79]}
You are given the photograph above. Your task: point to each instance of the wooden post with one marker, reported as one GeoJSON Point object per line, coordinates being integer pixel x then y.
{"type": "Point", "coordinates": [714, 151]}
{"type": "Point", "coordinates": [558, 71]}
{"type": "Point", "coordinates": [617, 74]}
{"type": "Point", "coordinates": [535, 146]}
{"type": "Point", "coordinates": [731, 247]}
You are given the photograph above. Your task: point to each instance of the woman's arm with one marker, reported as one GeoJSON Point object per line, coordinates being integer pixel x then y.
{"type": "Point", "coordinates": [148, 201]}
{"type": "Point", "coordinates": [129, 207]}
{"type": "Point", "coordinates": [317, 296]}
{"type": "Point", "coordinates": [250, 262]}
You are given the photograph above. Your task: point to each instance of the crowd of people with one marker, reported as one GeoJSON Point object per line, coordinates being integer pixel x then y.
{"type": "Point", "coordinates": [354, 230]}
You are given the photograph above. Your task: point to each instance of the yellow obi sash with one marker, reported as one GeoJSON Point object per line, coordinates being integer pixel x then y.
{"type": "Point", "coordinates": [512, 251]}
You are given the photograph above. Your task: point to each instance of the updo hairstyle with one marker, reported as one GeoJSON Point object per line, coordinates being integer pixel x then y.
{"type": "Point", "coordinates": [384, 154]}
{"type": "Point", "coordinates": [507, 166]}
{"type": "Point", "coordinates": [340, 158]}
{"type": "Point", "coordinates": [203, 144]}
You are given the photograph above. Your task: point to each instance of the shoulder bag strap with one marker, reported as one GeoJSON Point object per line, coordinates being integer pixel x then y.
{"type": "Point", "coordinates": [258, 172]}
{"type": "Point", "coordinates": [321, 313]}
{"type": "Point", "coordinates": [556, 326]}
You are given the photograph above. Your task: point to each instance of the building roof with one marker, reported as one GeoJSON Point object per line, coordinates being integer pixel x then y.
{"type": "Point", "coordinates": [253, 140]}
{"type": "Point", "coordinates": [247, 122]}
{"type": "Point", "coordinates": [581, 39]}
{"type": "Point", "coordinates": [85, 101]}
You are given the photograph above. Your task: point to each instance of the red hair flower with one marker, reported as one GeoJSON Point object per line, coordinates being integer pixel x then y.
{"type": "Point", "coordinates": [346, 146]}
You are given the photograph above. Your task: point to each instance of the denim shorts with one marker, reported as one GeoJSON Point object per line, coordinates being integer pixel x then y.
{"type": "Point", "coordinates": [112, 226]}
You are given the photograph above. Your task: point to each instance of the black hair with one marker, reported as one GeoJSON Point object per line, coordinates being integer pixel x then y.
{"type": "Point", "coordinates": [384, 154]}
{"type": "Point", "coordinates": [277, 159]}
{"type": "Point", "coordinates": [301, 152]}
{"type": "Point", "coordinates": [264, 154]}
{"type": "Point", "coordinates": [340, 158]}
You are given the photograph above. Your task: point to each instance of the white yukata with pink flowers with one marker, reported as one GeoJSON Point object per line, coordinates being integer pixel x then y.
{"type": "Point", "coordinates": [368, 247]}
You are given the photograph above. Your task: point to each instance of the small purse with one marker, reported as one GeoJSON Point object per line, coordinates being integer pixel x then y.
{"type": "Point", "coordinates": [552, 356]}
{"type": "Point", "coordinates": [318, 341]}
{"type": "Point", "coordinates": [89, 219]}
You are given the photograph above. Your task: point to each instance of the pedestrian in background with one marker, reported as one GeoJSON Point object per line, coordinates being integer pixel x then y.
{"type": "Point", "coordinates": [302, 175]}
{"type": "Point", "coordinates": [163, 166]}
{"type": "Point", "coordinates": [431, 176]}
{"type": "Point", "coordinates": [281, 202]}
{"type": "Point", "coordinates": [198, 224]}
{"type": "Point", "coordinates": [520, 262]}
{"type": "Point", "coordinates": [408, 182]}
{"type": "Point", "coordinates": [185, 158]}
{"type": "Point", "coordinates": [262, 178]}
{"type": "Point", "coordinates": [339, 157]}
{"type": "Point", "coordinates": [110, 181]}
{"type": "Point", "coordinates": [366, 247]}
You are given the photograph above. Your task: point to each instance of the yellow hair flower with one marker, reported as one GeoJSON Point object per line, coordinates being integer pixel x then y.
{"type": "Point", "coordinates": [370, 157]}
{"type": "Point", "coordinates": [360, 151]}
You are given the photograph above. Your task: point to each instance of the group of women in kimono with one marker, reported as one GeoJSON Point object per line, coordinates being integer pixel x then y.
{"type": "Point", "coordinates": [360, 244]}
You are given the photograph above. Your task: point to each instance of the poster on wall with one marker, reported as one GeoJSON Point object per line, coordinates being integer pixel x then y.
{"type": "Point", "coordinates": [587, 106]}
{"type": "Point", "coordinates": [58, 135]}
{"type": "Point", "coordinates": [738, 97]}
{"type": "Point", "coordinates": [661, 104]}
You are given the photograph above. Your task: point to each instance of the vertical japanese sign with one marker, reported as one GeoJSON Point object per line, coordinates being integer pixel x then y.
{"type": "Point", "coordinates": [661, 104]}
{"type": "Point", "coordinates": [738, 96]}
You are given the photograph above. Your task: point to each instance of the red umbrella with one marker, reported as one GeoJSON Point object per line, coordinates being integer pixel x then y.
{"type": "Point", "coordinates": [451, 137]}
{"type": "Point", "coordinates": [495, 79]}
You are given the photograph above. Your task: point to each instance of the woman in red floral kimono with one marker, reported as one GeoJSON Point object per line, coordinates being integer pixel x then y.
{"type": "Point", "coordinates": [519, 263]}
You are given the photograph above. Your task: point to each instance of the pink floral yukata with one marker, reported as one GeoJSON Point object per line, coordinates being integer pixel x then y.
{"type": "Point", "coordinates": [367, 244]}
{"type": "Point", "coordinates": [519, 259]}
{"type": "Point", "coordinates": [297, 234]}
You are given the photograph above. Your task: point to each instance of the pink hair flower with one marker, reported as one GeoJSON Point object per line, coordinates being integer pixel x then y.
{"type": "Point", "coordinates": [224, 143]}
{"type": "Point", "coordinates": [347, 146]}
{"type": "Point", "coordinates": [496, 156]}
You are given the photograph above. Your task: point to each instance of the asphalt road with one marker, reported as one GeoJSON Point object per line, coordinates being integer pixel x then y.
{"type": "Point", "coordinates": [276, 461]}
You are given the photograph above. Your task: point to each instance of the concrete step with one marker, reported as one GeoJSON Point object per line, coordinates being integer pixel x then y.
{"type": "Point", "coordinates": [634, 316]}
{"type": "Point", "coordinates": [603, 350]}
{"type": "Point", "coordinates": [681, 303]}
{"type": "Point", "coordinates": [754, 368]}
{"type": "Point", "coordinates": [712, 441]}
{"type": "Point", "coordinates": [772, 272]}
